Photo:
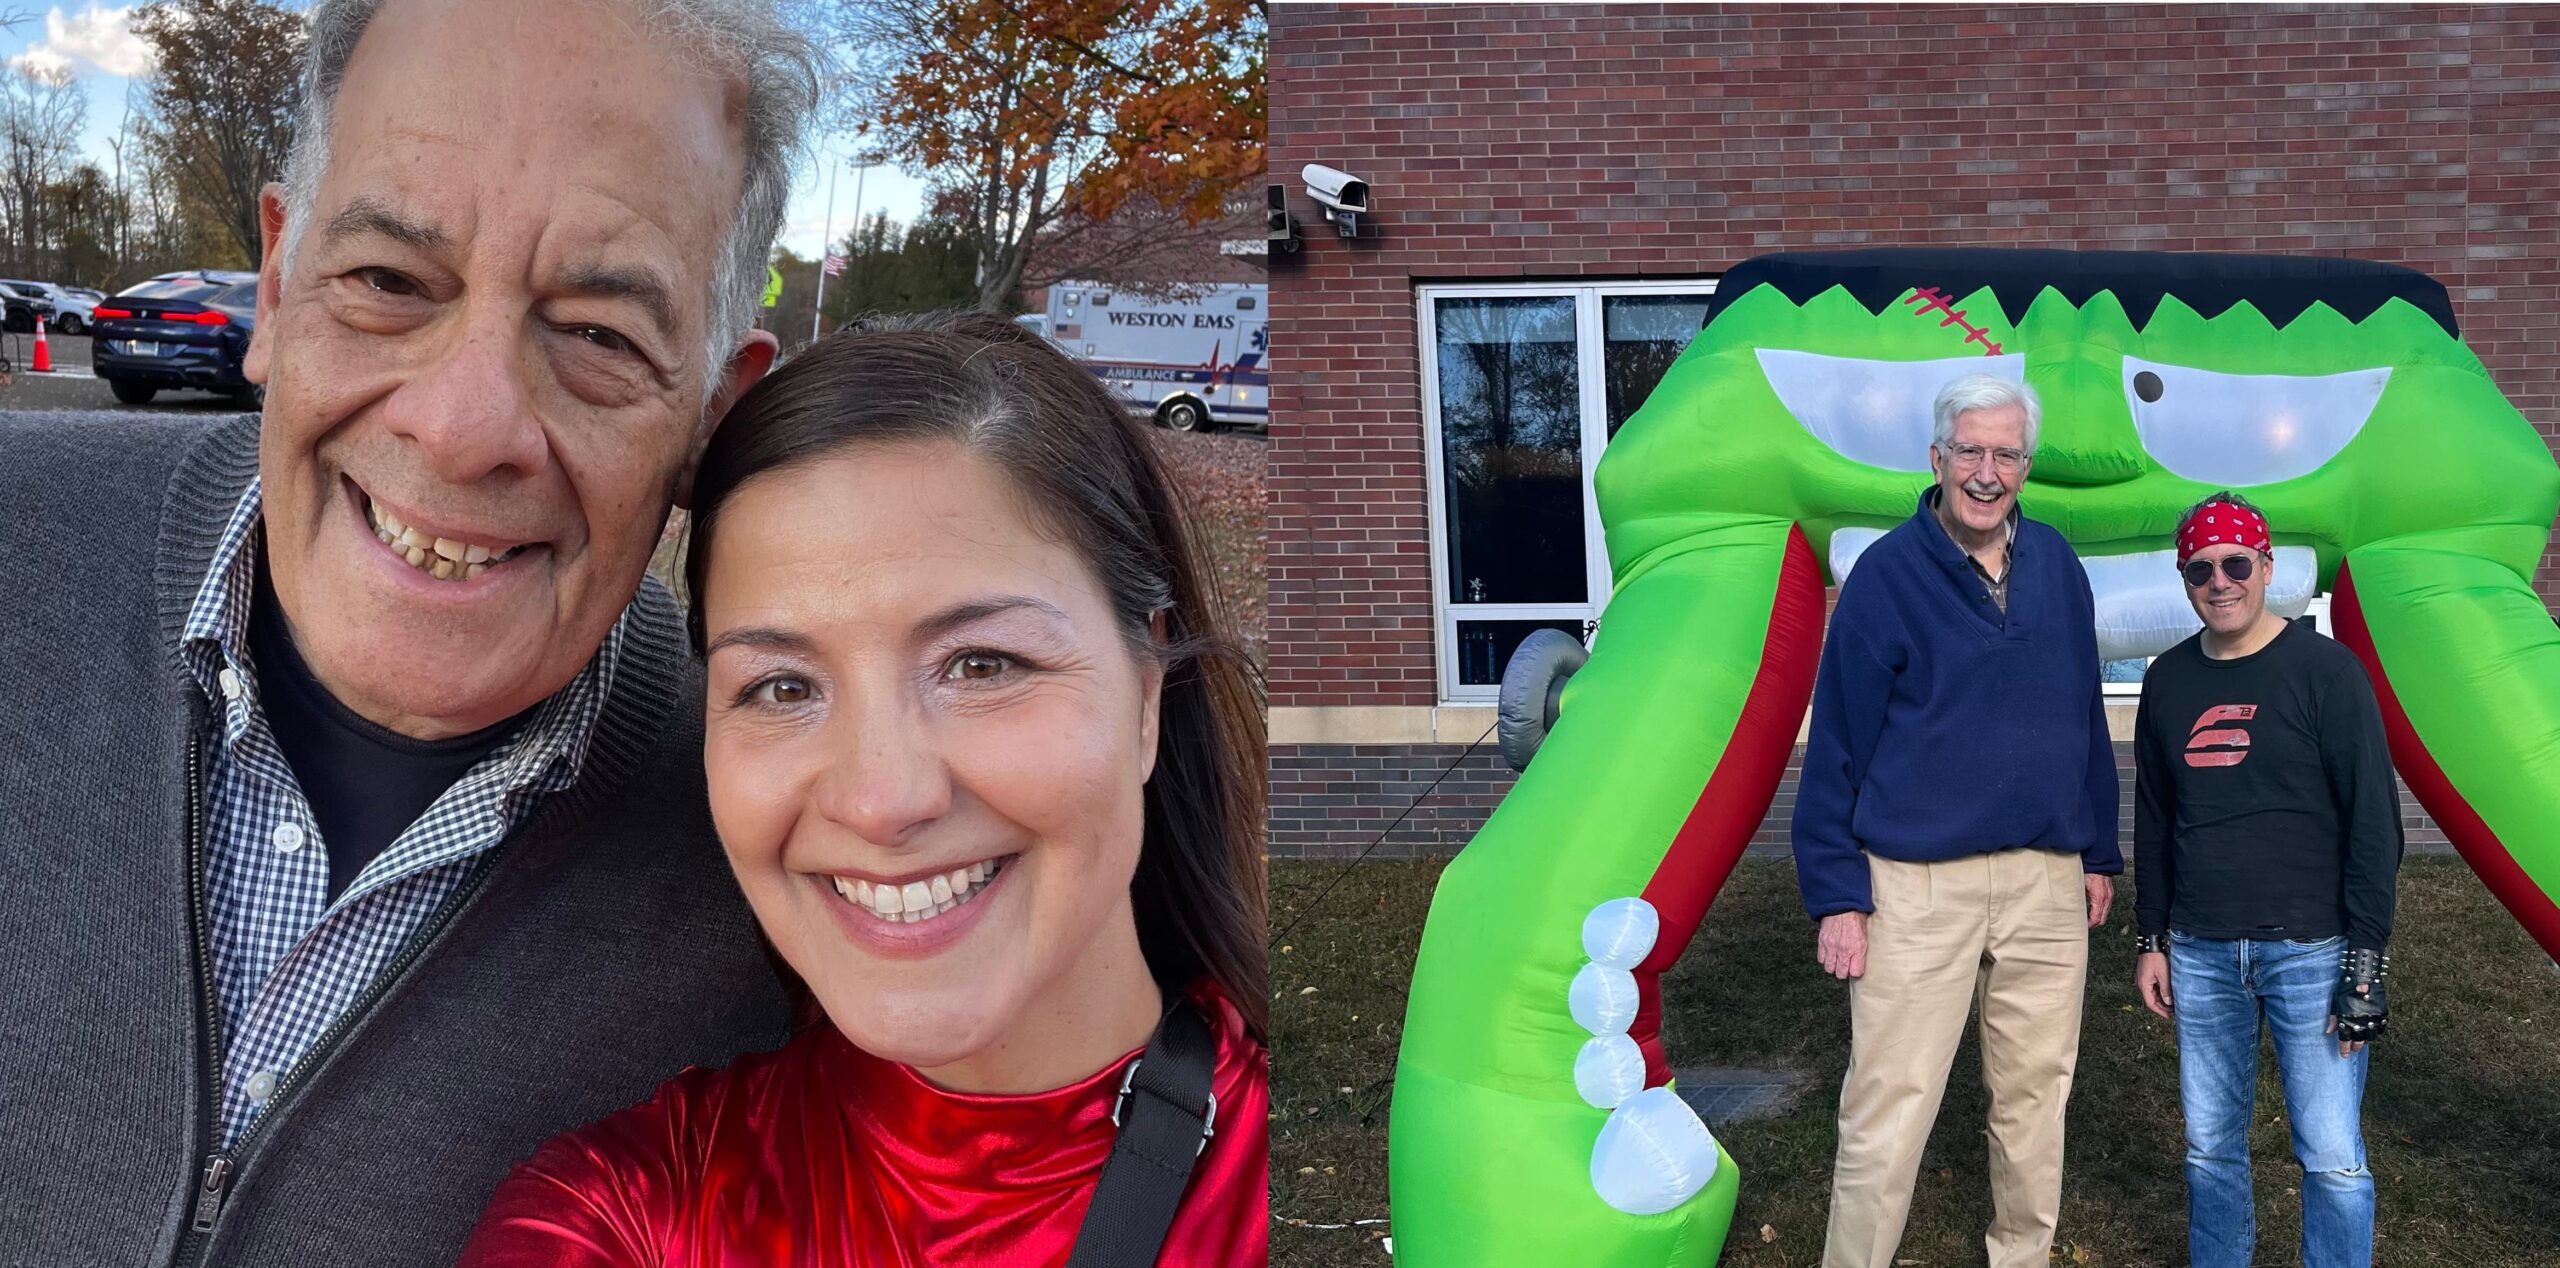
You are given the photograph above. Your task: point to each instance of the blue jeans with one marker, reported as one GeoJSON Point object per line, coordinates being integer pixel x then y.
{"type": "Point", "coordinates": [2219, 989]}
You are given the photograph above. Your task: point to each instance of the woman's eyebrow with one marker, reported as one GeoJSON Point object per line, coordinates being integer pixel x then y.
{"type": "Point", "coordinates": [961, 614]}
{"type": "Point", "coordinates": [762, 636]}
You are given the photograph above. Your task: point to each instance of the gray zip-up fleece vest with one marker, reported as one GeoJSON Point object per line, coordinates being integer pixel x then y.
{"type": "Point", "coordinates": [599, 950]}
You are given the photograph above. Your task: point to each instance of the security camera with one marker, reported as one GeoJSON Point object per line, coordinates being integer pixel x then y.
{"type": "Point", "coordinates": [1278, 225]}
{"type": "Point", "coordinates": [1344, 197]}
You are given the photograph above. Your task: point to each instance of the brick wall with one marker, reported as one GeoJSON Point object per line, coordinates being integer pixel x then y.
{"type": "Point", "coordinates": [1332, 800]}
{"type": "Point", "coordinates": [1638, 140]}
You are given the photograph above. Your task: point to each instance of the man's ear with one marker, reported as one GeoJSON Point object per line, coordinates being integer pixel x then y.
{"type": "Point", "coordinates": [747, 366]}
{"type": "Point", "coordinates": [271, 226]}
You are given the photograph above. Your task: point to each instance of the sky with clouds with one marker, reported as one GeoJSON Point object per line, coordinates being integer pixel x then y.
{"type": "Point", "coordinates": [96, 44]}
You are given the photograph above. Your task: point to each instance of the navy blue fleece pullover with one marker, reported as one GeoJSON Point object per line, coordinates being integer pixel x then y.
{"type": "Point", "coordinates": [1943, 727]}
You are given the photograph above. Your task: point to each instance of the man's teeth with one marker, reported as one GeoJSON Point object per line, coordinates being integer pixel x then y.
{"type": "Point", "coordinates": [918, 901]}
{"type": "Point", "coordinates": [441, 557]}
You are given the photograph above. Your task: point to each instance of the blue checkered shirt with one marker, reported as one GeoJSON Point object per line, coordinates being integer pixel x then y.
{"type": "Point", "coordinates": [287, 962]}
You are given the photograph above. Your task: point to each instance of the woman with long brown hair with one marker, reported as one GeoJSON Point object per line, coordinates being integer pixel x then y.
{"type": "Point", "coordinates": [990, 775]}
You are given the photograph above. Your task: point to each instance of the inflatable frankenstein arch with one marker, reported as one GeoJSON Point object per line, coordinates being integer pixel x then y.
{"type": "Point", "coordinates": [1533, 1124]}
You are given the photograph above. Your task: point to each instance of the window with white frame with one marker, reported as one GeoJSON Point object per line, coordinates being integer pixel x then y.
{"type": "Point", "coordinates": [1523, 385]}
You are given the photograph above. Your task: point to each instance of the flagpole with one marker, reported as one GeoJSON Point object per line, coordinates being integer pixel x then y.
{"type": "Point", "coordinates": [859, 175]}
{"type": "Point", "coordinates": [826, 246]}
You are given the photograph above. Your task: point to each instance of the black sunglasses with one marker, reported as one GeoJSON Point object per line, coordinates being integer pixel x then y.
{"type": "Point", "coordinates": [2199, 572]}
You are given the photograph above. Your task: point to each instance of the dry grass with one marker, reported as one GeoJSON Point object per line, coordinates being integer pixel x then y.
{"type": "Point", "coordinates": [1219, 476]}
{"type": "Point", "coordinates": [2462, 1114]}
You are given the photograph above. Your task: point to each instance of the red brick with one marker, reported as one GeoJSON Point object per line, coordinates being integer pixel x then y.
{"type": "Point", "coordinates": [2421, 135]}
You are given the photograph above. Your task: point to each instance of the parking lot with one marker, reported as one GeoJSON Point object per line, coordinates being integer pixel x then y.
{"type": "Point", "coordinates": [71, 385]}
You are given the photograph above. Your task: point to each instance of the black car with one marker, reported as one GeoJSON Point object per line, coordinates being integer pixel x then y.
{"type": "Point", "coordinates": [178, 330]}
{"type": "Point", "coordinates": [26, 301]}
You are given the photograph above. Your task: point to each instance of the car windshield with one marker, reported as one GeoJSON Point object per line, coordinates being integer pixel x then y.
{"type": "Point", "coordinates": [187, 288]}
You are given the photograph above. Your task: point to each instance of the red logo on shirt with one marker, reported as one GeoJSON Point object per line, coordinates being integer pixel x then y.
{"type": "Point", "coordinates": [2212, 745]}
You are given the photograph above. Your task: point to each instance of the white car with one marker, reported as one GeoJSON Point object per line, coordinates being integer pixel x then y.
{"type": "Point", "coordinates": [72, 306]}
{"type": "Point", "coordinates": [69, 311]}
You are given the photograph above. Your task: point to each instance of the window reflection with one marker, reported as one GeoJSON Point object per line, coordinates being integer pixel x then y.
{"type": "Point", "coordinates": [1511, 448]}
{"type": "Point", "coordinates": [1643, 335]}
{"type": "Point", "coordinates": [1485, 647]}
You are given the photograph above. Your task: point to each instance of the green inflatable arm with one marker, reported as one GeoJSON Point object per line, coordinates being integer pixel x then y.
{"type": "Point", "coordinates": [1535, 1121]}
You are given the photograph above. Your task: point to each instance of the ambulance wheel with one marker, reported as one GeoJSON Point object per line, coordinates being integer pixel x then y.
{"type": "Point", "coordinates": [1186, 415]}
{"type": "Point", "coordinates": [1531, 686]}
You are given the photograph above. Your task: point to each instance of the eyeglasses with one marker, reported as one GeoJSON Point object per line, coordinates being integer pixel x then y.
{"type": "Point", "coordinates": [1970, 455]}
{"type": "Point", "coordinates": [2199, 572]}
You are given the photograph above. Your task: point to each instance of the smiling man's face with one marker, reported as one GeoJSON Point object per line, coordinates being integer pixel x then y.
{"type": "Point", "coordinates": [484, 367]}
{"type": "Point", "coordinates": [1980, 494]}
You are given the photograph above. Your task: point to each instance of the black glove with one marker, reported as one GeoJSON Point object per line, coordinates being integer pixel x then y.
{"type": "Point", "coordinates": [2362, 1014]}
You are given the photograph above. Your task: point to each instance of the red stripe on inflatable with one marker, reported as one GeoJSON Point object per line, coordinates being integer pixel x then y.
{"type": "Point", "coordinates": [2462, 825]}
{"type": "Point", "coordinates": [1737, 794]}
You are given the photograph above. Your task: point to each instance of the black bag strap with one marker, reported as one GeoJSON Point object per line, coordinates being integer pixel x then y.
{"type": "Point", "coordinates": [1166, 1114]}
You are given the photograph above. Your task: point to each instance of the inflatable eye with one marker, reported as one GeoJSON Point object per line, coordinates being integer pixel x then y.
{"type": "Point", "coordinates": [2246, 429]}
{"type": "Point", "coordinates": [1875, 412]}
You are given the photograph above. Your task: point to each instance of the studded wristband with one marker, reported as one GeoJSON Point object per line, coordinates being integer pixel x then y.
{"type": "Point", "coordinates": [2151, 944]}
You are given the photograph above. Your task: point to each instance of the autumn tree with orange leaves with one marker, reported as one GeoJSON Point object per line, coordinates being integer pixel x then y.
{"type": "Point", "coordinates": [1081, 135]}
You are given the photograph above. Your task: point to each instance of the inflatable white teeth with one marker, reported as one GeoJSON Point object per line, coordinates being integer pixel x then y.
{"type": "Point", "coordinates": [1619, 933]}
{"type": "Point", "coordinates": [1653, 1154]}
{"type": "Point", "coordinates": [1603, 1000]}
{"type": "Point", "coordinates": [1608, 1070]}
{"type": "Point", "coordinates": [2142, 607]}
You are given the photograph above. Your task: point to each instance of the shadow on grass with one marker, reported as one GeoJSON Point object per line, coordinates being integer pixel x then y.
{"type": "Point", "coordinates": [2462, 1114]}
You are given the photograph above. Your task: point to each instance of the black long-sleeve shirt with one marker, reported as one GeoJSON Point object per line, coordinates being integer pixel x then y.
{"type": "Point", "coordinates": [2264, 805]}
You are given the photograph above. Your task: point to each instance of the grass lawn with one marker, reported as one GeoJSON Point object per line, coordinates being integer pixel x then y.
{"type": "Point", "coordinates": [2462, 1112]}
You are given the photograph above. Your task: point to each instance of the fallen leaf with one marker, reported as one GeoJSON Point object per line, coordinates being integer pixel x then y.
{"type": "Point", "coordinates": [1309, 991]}
{"type": "Point", "coordinates": [1768, 1234]}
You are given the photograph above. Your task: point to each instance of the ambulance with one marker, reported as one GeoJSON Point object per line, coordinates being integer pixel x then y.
{"type": "Point", "coordinates": [1194, 361]}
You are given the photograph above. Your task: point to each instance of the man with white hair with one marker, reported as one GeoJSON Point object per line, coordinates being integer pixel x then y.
{"type": "Point", "coordinates": [386, 857]}
{"type": "Point", "coordinates": [1955, 829]}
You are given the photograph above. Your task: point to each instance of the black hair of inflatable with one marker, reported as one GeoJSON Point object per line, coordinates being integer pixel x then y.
{"type": "Point", "coordinates": [2280, 287]}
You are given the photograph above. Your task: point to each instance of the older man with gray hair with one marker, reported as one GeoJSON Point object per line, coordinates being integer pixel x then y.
{"type": "Point", "coordinates": [388, 856]}
{"type": "Point", "coordinates": [1955, 829]}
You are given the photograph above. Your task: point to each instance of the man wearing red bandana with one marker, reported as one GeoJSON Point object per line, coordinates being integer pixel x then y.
{"type": "Point", "coordinates": [2266, 845]}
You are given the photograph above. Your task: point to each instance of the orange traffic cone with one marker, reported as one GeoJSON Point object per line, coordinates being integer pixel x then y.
{"type": "Point", "coordinates": [44, 359]}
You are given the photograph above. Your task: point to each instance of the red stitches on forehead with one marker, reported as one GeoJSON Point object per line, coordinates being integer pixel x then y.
{"type": "Point", "coordinates": [1932, 300]}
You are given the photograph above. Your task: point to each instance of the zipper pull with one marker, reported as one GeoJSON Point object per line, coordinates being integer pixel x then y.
{"type": "Point", "coordinates": [217, 1179]}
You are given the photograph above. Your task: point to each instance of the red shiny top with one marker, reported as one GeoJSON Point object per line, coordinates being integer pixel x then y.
{"type": "Point", "coordinates": [820, 1153]}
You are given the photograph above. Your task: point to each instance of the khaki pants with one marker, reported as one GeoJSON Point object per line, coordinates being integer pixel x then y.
{"type": "Point", "coordinates": [2008, 932]}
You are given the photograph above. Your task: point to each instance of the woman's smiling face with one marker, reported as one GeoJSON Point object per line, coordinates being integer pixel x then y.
{"type": "Point", "coordinates": [927, 739]}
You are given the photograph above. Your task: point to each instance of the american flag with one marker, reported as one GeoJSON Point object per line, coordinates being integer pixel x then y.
{"type": "Point", "coordinates": [834, 266]}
